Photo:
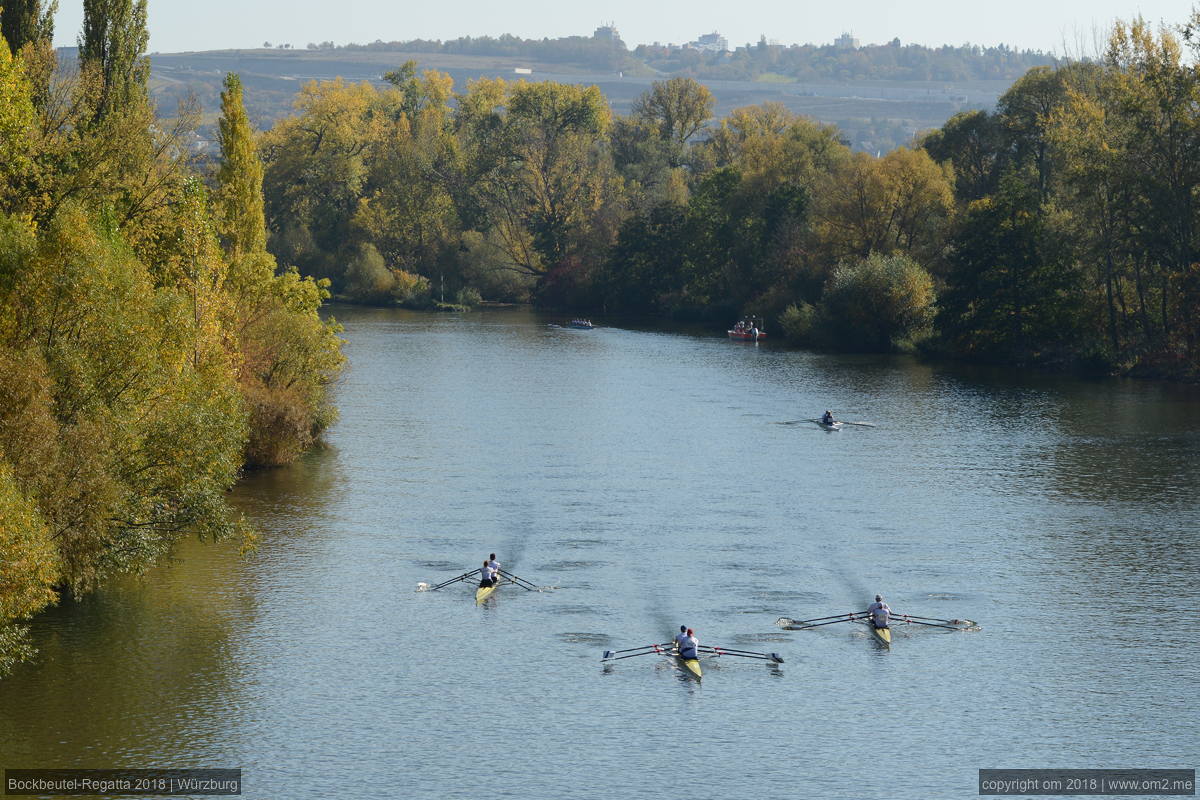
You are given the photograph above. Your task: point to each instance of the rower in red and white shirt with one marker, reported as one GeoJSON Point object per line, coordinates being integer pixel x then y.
{"type": "Point", "coordinates": [880, 612]}
{"type": "Point", "coordinates": [688, 645]}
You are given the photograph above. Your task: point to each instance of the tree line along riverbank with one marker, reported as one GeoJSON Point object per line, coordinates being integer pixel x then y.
{"type": "Point", "coordinates": [150, 345]}
{"type": "Point", "coordinates": [1059, 229]}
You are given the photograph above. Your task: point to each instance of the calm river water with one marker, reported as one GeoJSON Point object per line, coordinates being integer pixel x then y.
{"type": "Point", "coordinates": [657, 479]}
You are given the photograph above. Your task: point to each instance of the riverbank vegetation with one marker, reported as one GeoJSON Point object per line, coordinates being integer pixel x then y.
{"type": "Point", "coordinates": [1060, 230]}
{"type": "Point", "coordinates": [149, 345]}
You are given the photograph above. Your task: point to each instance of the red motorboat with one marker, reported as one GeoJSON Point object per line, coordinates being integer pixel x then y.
{"type": "Point", "coordinates": [749, 329]}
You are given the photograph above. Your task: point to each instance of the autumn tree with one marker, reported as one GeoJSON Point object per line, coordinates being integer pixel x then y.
{"type": "Point", "coordinates": [27, 22]}
{"type": "Point", "coordinates": [238, 202]}
{"type": "Point", "coordinates": [1013, 293]}
{"type": "Point", "coordinates": [974, 144]}
{"type": "Point", "coordinates": [898, 203]}
{"type": "Point", "coordinates": [544, 169]}
{"type": "Point", "coordinates": [878, 304]}
{"type": "Point", "coordinates": [287, 356]}
{"type": "Point", "coordinates": [676, 109]}
{"type": "Point", "coordinates": [113, 45]}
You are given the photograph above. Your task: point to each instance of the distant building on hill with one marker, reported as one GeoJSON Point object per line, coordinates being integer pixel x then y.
{"type": "Point", "coordinates": [713, 42]}
{"type": "Point", "coordinates": [607, 33]}
{"type": "Point", "coordinates": [846, 42]}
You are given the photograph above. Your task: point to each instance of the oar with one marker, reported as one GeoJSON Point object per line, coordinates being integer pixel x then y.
{"type": "Point", "coordinates": [821, 624]}
{"type": "Point", "coordinates": [863, 424]}
{"type": "Point", "coordinates": [840, 618]}
{"type": "Point", "coordinates": [930, 624]}
{"type": "Point", "coordinates": [608, 653]}
{"type": "Point", "coordinates": [611, 655]}
{"type": "Point", "coordinates": [730, 650]}
{"type": "Point", "coordinates": [934, 619]}
{"type": "Point", "coordinates": [462, 577]}
{"type": "Point", "coordinates": [524, 584]}
{"type": "Point", "coordinates": [721, 651]}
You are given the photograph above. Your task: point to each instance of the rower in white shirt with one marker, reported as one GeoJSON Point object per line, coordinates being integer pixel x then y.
{"type": "Point", "coordinates": [681, 636]}
{"type": "Point", "coordinates": [688, 645]}
{"type": "Point", "coordinates": [880, 612]}
{"type": "Point", "coordinates": [494, 564]}
{"type": "Point", "coordinates": [487, 576]}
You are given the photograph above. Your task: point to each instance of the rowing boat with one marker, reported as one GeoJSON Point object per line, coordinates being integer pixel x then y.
{"type": "Point", "coordinates": [484, 592]}
{"type": "Point", "coordinates": [831, 426]}
{"type": "Point", "coordinates": [882, 634]}
{"type": "Point", "coordinates": [691, 666]}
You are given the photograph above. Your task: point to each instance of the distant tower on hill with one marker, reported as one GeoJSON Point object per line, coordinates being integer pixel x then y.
{"type": "Point", "coordinates": [607, 32]}
{"type": "Point", "coordinates": [846, 42]}
{"type": "Point", "coordinates": [713, 42]}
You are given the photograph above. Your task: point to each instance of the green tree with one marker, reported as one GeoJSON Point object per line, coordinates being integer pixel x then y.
{"type": "Point", "coordinates": [1025, 111]}
{"type": "Point", "coordinates": [238, 200]}
{"type": "Point", "coordinates": [676, 109]}
{"type": "Point", "coordinates": [901, 202]}
{"type": "Point", "coordinates": [17, 120]}
{"type": "Point", "coordinates": [28, 568]}
{"type": "Point", "coordinates": [26, 22]}
{"type": "Point", "coordinates": [317, 166]}
{"type": "Point", "coordinates": [113, 45]}
{"type": "Point", "coordinates": [543, 168]}
{"type": "Point", "coordinates": [1013, 293]}
{"type": "Point", "coordinates": [878, 304]}
{"type": "Point", "coordinates": [974, 143]}
{"type": "Point", "coordinates": [287, 356]}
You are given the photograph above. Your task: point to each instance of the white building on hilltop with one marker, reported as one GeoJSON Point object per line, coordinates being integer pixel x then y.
{"type": "Point", "coordinates": [607, 33]}
{"type": "Point", "coordinates": [713, 42]}
{"type": "Point", "coordinates": [846, 42]}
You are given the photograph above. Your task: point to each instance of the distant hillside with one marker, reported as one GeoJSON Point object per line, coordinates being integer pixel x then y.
{"type": "Point", "coordinates": [879, 96]}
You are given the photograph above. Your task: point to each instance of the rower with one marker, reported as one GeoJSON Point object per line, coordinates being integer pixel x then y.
{"type": "Point", "coordinates": [880, 613]}
{"type": "Point", "coordinates": [688, 645]}
{"type": "Point", "coordinates": [828, 420]}
{"type": "Point", "coordinates": [494, 564]}
{"type": "Point", "coordinates": [681, 637]}
{"type": "Point", "coordinates": [488, 576]}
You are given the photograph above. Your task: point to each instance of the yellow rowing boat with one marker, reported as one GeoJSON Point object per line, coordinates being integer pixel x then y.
{"type": "Point", "coordinates": [484, 592]}
{"type": "Point", "coordinates": [882, 634]}
{"type": "Point", "coordinates": [691, 666]}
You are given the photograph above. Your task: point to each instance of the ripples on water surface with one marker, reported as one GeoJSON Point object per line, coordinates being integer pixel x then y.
{"type": "Point", "coordinates": [646, 475]}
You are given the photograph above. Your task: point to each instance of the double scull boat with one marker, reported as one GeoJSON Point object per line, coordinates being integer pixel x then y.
{"type": "Point", "coordinates": [689, 666]}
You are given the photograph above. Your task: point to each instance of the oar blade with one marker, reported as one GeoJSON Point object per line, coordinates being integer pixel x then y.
{"type": "Point", "coordinates": [462, 577]}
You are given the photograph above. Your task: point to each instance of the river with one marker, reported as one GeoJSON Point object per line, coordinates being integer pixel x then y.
{"type": "Point", "coordinates": [650, 479]}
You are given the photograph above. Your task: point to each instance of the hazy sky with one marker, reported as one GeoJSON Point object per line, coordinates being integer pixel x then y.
{"type": "Point", "coordinates": [1037, 24]}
